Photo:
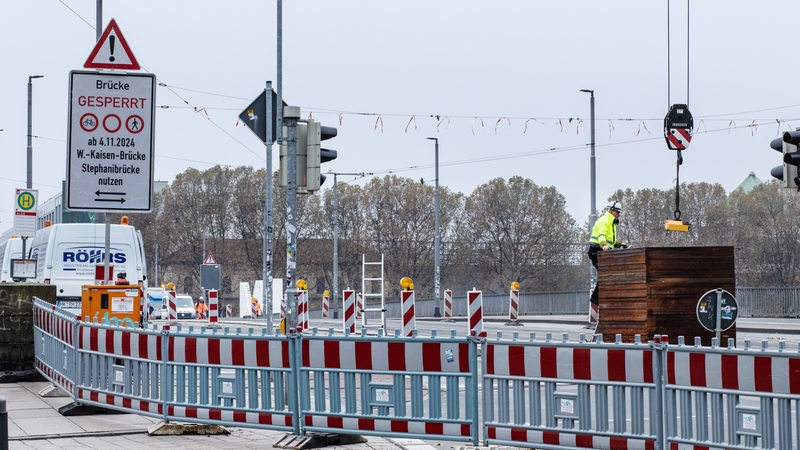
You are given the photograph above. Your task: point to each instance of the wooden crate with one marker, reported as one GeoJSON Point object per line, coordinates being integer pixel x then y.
{"type": "Point", "coordinates": [655, 290]}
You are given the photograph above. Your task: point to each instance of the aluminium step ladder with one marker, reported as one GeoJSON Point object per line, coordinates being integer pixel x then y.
{"type": "Point", "coordinates": [372, 293]}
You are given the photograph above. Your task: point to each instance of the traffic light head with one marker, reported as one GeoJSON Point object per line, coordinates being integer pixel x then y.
{"type": "Point", "coordinates": [301, 157]}
{"type": "Point", "coordinates": [791, 159]}
{"type": "Point", "coordinates": [316, 155]}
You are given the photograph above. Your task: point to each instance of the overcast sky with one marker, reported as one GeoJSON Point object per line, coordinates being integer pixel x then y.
{"type": "Point", "coordinates": [497, 82]}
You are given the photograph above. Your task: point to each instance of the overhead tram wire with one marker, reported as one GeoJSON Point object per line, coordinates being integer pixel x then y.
{"type": "Point", "coordinates": [173, 88]}
{"type": "Point", "coordinates": [548, 151]}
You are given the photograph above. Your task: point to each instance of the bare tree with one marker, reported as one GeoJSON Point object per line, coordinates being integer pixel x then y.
{"type": "Point", "coordinates": [767, 230]}
{"type": "Point", "coordinates": [400, 218]}
{"type": "Point", "coordinates": [519, 232]}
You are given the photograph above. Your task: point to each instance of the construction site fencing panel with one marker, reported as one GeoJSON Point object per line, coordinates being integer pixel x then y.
{"type": "Point", "coordinates": [54, 332]}
{"type": "Point", "coordinates": [423, 387]}
{"type": "Point", "coordinates": [549, 393]}
{"type": "Point", "coordinates": [732, 398]}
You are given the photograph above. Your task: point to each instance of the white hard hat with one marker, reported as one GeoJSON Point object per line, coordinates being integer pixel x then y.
{"type": "Point", "coordinates": [616, 206]}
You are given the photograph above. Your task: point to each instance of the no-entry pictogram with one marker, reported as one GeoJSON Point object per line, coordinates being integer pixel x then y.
{"type": "Point", "coordinates": [111, 123]}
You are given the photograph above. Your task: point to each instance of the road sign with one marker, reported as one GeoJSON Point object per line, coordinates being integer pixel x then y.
{"type": "Point", "coordinates": [110, 141]}
{"type": "Point", "coordinates": [258, 119]}
{"type": "Point", "coordinates": [210, 259]}
{"type": "Point", "coordinates": [112, 51]}
{"type": "Point", "coordinates": [712, 302]}
{"type": "Point", "coordinates": [25, 208]}
{"type": "Point", "coordinates": [210, 276]}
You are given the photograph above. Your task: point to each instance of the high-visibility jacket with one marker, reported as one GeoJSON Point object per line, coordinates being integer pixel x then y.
{"type": "Point", "coordinates": [604, 231]}
{"type": "Point", "coordinates": [201, 310]}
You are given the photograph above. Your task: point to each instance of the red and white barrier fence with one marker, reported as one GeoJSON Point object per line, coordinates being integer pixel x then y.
{"type": "Point", "coordinates": [695, 388]}
{"type": "Point", "coordinates": [408, 313]}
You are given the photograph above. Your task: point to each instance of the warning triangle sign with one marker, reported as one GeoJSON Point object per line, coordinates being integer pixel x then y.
{"type": "Point", "coordinates": [210, 259]}
{"type": "Point", "coordinates": [111, 51]}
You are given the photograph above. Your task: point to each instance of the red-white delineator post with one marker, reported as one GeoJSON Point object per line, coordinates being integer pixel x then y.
{"type": "Point", "coordinates": [409, 317]}
{"type": "Point", "coordinates": [302, 310]}
{"type": "Point", "coordinates": [326, 304]}
{"type": "Point", "coordinates": [513, 305]}
{"type": "Point", "coordinates": [228, 311]}
{"type": "Point", "coordinates": [305, 311]}
{"type": "Point", "coordinates": [359, 305]}
{"type": "Point", "coordinates": [448, 304]}
{"type": "Point", "coordinates": [475, 313]}
{"type": "Point", "coordinates": [349, 306]}
{"type": "Point", "coordinates": [213, 306]}
{"type": "Point", "coordinates": [172, 306]}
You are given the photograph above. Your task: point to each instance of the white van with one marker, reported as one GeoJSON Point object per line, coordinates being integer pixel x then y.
{"type": "Point", "coordinates": [10, 249]}
{"type": "Point", "coordinates": [66, 255]}
{"type": "Point", "coordinates": [184, 307]}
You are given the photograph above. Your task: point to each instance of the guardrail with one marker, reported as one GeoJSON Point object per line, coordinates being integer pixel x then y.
{"type": "Point", "coordinates": [530, 392]}
{"type": "Point", "coordinates": [753, 302]}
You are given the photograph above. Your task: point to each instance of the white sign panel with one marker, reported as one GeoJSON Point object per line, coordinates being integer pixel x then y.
{"type": "Point", "coordinates": [25, 206]}
{"type": "Point", "coordinates": [110, 159]}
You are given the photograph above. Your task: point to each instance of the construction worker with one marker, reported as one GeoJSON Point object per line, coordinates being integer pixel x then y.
{"type": "Point", "coordinates": [256, 306]}
{"type": "Point", "coordinates": [604, 237]}
{"type": "Point", "coordinates": [201, 309]}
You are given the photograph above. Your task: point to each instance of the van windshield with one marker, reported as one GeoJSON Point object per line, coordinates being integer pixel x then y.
{"type": "Point", "coordinates": [184, 302]}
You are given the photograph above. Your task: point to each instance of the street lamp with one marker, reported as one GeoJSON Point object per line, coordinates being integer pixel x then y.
{"type": "Point", "coordinates": [29, 178]}
{"type": "Point", "coordinates": [593, 210]}
{"type": "Point", "coordinates": [436, 253]}
{"type": "Point", "coordinates": [593, 207]}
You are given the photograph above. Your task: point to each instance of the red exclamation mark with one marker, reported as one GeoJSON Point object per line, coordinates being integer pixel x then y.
{"type": "Point", "coordinates": [111, 40]}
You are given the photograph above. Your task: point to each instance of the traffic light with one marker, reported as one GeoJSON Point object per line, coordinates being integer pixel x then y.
{"type": "Point", "coordinates": [283, 174]}
{"type": "Point", "coordinates": [791, 159]}
{"type": "Point", "coordinates": [788, 172]}
{"type": "Point", "coordinates": [316, 155]}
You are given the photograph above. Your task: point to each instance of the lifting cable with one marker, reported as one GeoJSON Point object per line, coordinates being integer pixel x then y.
{"type": "Point", "coordinates": [678, 123]}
